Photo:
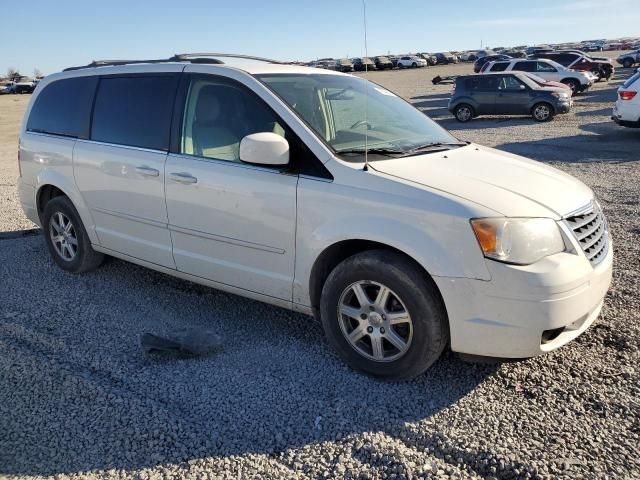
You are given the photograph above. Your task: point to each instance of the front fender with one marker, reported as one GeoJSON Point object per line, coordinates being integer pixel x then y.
{"type": "Point", "coordinates": [430, 228]}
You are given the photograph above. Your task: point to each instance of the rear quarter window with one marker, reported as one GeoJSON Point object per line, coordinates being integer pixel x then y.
{"type": "Point", "coordinates": [63, 107]}
{"type": "Point", "coordinates": [499, 67]}
{"type": "Point", "coordinates": [134, 111]}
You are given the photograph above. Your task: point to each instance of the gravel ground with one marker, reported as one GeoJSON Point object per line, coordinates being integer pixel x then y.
{"type": "Point", "coordinates": [78, 398]}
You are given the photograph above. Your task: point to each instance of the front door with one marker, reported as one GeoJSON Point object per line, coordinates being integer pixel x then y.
{"type": "Point", "coordinates": [120, 169]}
{"type": "Point", "coordinates": [230, 222]}
{"type": "Point", "coordinates": [513, 96]}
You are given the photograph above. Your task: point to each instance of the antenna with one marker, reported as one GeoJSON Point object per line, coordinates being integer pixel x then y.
{"type": "Point", "coordinates": [366, 86]}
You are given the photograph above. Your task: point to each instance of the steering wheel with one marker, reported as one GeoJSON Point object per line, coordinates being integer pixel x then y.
{"type": "Point", "coordinates": [359, 123]}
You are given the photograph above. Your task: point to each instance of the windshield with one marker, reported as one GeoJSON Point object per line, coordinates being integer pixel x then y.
{"type": "Point", "coordinates": [334, 107]}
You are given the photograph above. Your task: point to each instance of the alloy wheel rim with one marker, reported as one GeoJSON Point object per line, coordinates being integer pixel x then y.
{"type": "Point", "coordinates": [542, 112]}
{"type": "Point", "coordinates": [464, 113]}
{"type": "Point", "coordinates": [374, 321]}
{"type": "Point", "coordinates": [63, 236]}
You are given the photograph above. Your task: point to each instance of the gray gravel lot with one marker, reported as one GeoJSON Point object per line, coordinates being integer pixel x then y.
{"type": "Point", "coordinates": [78, 398]}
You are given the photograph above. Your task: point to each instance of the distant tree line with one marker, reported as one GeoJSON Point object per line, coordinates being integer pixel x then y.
{"type": "Point", "coordinates": [13, 74]}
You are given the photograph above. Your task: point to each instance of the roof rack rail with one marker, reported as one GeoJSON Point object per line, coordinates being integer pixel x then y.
{"type": "Point", "coordinates": [180, 57]}
{"type": "Point", "coordinates": [197, 56]}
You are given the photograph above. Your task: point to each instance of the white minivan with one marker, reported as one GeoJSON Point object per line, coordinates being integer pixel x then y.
{"type": "Point", "coordinates": [319, 192]}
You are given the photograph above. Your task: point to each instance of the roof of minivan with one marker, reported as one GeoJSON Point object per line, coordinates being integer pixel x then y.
{"type": "Point", "coordinates": [250, 67]}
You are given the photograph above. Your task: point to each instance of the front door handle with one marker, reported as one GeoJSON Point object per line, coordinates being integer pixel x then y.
{"type": "Point", "coordinates": [148, 171]}
{"type": "Point", "coordinates": [182, 177]}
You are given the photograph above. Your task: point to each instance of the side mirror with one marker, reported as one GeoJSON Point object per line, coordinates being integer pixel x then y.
{"type": "Point", "coordinates": [264, 148]}
{"type": "Point", "coordinates": [522, 87]}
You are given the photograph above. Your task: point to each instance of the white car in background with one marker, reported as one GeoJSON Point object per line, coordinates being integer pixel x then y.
{"type": "Point", "coordinates": [626, 111]}
{"type": "Point", "coordinates": [8, 87]}
{"type": "Point", "coordinates": [411, 61]}
{"type": "Point", "coordinates": [547, 69]}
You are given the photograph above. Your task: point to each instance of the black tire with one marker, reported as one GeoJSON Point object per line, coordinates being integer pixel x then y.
{"type": "Point", "coordinates": [85, 258]}
{"type": "Point", "coordinates": [538, 108]}
{"type": "Point", "coordinates": [628, 63]}
{"type": "Point", "coordinates": [418, 295]}
{"type": "Point", "coordinates": [573, 84]}
{"type": "Point", "coordinates": [464, 112]}
{"type": "Point", "coordinates": [414, 65]}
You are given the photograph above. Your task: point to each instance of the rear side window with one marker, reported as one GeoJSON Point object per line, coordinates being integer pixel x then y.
{"type": "Point", "coordinates": [487, 83]}
{"type": "Point", "coordinates": [134, 111]}
{"type": "Point", "coordinates": [525, 66]}
{"type": "Point", "coordinates": [64, 107]}
{"type": "Point", "coordinates": [499, 67]}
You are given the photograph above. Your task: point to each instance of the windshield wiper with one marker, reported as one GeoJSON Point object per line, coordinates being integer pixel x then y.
{"type": "Point", "coordinates": [372, 151]}
{"type": "Point", "coordinates": [434, 146]}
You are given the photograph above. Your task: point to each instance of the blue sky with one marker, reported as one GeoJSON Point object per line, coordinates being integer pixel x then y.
{"type": "Point", "coordinates": [51, 35]}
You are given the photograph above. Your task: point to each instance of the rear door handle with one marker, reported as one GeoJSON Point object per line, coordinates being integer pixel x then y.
{"type": "Point", "coordinates": [182, 177]}
{"type": "Point", "coordinates": [148, 171]}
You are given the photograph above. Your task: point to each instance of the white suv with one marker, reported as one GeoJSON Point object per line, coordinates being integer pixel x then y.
{"type": "Point", "coordinates": [547, 69]}
{"type": "Point", "coordinates": [626, 111]}
{"type": "Point", "coordinates": [411, 62]}
{"type": "Point", "coordinates": [319, 192]}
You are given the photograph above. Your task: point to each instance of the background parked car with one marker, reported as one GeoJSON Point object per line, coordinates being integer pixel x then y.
{"type": "Point", "coordinates": [383, 63]}
{"type": "Point", "coordinates": [362, 64]}
{"type": "Point", "coordinates": [470, 56]}
{"type": "Point", "coordinates": [480, 62]}
{"type": "Point", "coordinates": [547, 69]}
{"type": "Point", "coordinates": [24, 87]}
{"type": "Point", "coordinates": [411, 61]}
{"type": "Point", "coordinates": [8, 87]}
{"type": "Point", "coordinates": [547, 83]}
{"type": "Point", "coordinates": [626, 111]}
{"type": "Point", "coordinates": [444, 58]}
{"type": "Point", "coordinates": [602, 68]}
{"type": "Point", "coordinates": [506, 94]}
{"type": "Point", "coordinates": [431, 59]}
{"type": "Point", "coordinates": [344, 65]}
{"type": "Point", "coordinates": [484, 53]}
{"type": "Point", "coordinates": [629, 59]}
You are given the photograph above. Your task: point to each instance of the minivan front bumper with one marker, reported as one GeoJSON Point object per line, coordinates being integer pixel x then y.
{"type": "Point", "coordinates": [524, 311]}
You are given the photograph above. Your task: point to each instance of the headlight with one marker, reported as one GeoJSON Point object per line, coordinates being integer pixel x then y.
{"type": "Point", "coordinates": [518, 240]}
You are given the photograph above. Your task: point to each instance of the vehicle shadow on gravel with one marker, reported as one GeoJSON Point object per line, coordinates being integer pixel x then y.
{"type": "Point", "coordinates": [604, 142]}
{"type": "Point", "coordinates": [77, 393]}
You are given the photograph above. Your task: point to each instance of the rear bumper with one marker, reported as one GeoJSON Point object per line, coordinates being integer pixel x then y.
{"type": "Point", "coordinates": [524, 311]}
{"type": "Point", "coordinates": [27, 195]}
{"type": "Point", "coordinates": [627, 115]}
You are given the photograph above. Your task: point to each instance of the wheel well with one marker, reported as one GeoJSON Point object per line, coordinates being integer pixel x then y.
{"type": "Point", "coordinates": [336, 253]}
{"type": "Point", "coordinates": [46, 193]}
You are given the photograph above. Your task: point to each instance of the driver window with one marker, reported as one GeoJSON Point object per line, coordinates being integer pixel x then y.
{"type": "Point", "coordinates": [218, 115]}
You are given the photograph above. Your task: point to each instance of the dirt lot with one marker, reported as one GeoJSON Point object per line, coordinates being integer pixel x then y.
{"type": "Point", "coordinates": [77, 396]}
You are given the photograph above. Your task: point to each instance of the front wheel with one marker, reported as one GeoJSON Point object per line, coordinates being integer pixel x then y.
{"type": "Point", "coordinates": [414, 65]}
{"type": "Point", "coordinates": [542, 112]}
{"type": "Point", "coordinates": [66, 238]}
{"type": "Point", "coordinates": [628, 63]}
{"type": "Point", "coordinates": [383, 315]}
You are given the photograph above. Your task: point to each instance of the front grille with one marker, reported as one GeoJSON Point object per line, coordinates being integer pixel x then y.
{"type": "Point", "coordinates": [590, 229]}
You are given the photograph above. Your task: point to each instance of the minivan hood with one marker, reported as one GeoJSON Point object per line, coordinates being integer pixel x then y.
{"type": "Point", "coordinates": [508, 184]}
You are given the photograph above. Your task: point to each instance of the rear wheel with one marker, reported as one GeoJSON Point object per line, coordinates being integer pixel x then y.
{"type": "Point", "coordinates": [66, 237]}
{"type": "Point", "coordinates": [542, 112]}
{"type": "Point", "coordinates": [383, 315]}
{"type": "Point", "coordinates": [463, 112]}
{"type": "Point", "coordinates": [628, 63]}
